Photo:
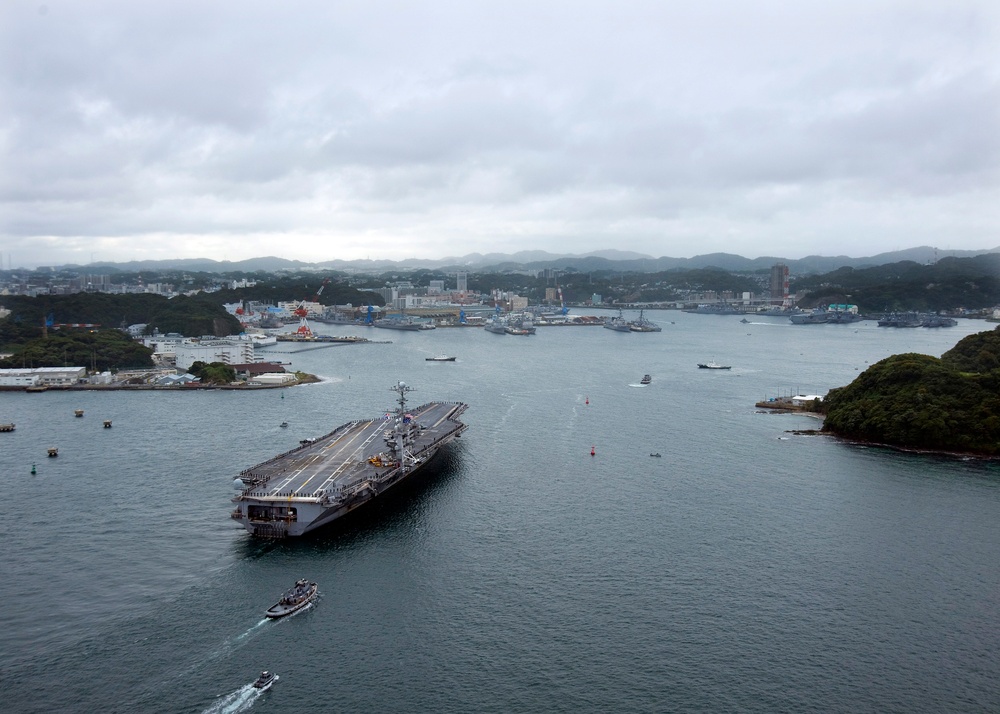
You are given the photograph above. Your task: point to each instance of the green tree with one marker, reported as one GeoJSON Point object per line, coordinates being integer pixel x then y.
{"type": "Point", "coordinates": [213, 372]}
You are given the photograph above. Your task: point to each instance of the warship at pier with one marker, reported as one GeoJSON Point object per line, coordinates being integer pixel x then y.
{"type": "Point", "coordinates": [328, 477]}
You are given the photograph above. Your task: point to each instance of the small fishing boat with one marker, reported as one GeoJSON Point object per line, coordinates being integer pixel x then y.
{"type": "Point", "coordinates": [283, 424]}
{"type": "Point", "coordinates": [53, 452]}
{"type": "Point", "coordinates": [293, 600]}
{"type": "Point", "coordinates": [646, 379]}
{"type": "Point", "coordinates": [657, 455]}
{"type": "Point", "coordinates": [440, 358]}
{"type": "Point", "coordinates": [265, 680]}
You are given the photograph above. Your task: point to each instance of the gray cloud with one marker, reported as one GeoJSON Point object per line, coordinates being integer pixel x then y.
{"type": "Point", "coordinates": [423, 129]}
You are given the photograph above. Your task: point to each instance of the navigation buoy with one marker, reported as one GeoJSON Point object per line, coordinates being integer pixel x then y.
{"type": "Point", "coordinates": [587, 400]}
{"type": "Point", "coordinates": [33, 471]}
{"type": "Point", "coordinates": [592, 452]}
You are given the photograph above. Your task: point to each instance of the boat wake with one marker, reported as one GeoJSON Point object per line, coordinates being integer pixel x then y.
{"type": "Point", "coordinates": [239, 701]}
{"type": "Point", "coordinates": [225, 648]}
{"type": "Point", "coordinates": [251, 631]}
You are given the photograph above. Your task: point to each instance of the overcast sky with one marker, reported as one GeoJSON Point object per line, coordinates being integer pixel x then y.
{"type": "Point", "coordinates": [322, 129]}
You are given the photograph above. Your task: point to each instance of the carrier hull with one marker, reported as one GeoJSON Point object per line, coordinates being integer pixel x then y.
{"type": "Point", "coordinates": [320, 481]}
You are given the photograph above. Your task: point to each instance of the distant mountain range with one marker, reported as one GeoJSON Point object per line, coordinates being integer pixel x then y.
{"type": "Point", "coordinates": [613, 260]}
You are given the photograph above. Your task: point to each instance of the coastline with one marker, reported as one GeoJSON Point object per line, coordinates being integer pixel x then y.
{"type": "Point", "coordinates": [782, 406]}
{"type": "Point", "coordinates": [193, 386]}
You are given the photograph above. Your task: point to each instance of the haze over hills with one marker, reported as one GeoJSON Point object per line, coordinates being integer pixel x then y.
{"type": "Point", "coordinates": [613, 260]}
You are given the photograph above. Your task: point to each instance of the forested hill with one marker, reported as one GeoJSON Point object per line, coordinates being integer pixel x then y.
{"type": "Point", "coordinates": [196, 315]}
{"type": "Point", "coordinates": [948, 284]}
{"type": "Point", "coordinates": [916, 401]}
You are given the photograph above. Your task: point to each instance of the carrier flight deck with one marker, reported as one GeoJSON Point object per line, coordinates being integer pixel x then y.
{"type": "Point", "coordinates": [325, 478]}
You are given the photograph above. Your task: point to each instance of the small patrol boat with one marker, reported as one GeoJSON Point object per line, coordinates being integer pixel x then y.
{"type": "Point", "coordinates": [293, 600]}
{"type": "Point", "coordinates": [265, 680]}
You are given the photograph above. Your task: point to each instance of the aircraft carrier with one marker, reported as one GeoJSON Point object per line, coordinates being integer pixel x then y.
{"type": "Point", "coordinates": [328, 477]}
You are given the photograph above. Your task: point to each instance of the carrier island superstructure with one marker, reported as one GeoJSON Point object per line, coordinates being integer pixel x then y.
{"type": "Point", "coordinates": [332, 475]}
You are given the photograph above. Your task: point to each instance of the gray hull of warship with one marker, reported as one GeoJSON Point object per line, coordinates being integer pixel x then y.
{"type": "Point", "coordinates": [326, 478]}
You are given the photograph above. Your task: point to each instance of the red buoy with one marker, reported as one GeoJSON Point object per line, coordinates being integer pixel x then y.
{"type": "Point", "coordinates": [592, 451]}
{"type": "Point", "coordinates": [587, 400]}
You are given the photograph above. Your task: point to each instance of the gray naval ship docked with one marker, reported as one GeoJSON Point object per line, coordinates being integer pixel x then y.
{"type": "Point", "coordinates": [328, 477]}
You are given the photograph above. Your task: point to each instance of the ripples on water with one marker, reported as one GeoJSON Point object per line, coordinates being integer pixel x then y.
{"type": "Point", "coordinates": [746, 569]}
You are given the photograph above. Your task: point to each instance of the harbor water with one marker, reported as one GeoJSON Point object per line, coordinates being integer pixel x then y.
{"type": "Point", "coordinates": [748, 568]}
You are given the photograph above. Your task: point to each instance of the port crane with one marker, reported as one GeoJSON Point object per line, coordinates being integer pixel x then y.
{"type": "Point", "coordinates": [301, 313]}
{"type": "Point", "coordinates": [319, 292]}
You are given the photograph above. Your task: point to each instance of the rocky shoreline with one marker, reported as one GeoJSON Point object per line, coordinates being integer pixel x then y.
{"type": "Point", "coordinates": [192, 386]}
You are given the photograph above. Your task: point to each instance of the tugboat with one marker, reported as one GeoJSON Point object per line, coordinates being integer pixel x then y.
{"type": "Point", "coordinates": [646, 379]}
{"type": "Point", "coordinates": [293, 600]}
{"type": "Point", "coordinates": [265, 680]}
{"type": "Point", "coordinates": [713, 365]}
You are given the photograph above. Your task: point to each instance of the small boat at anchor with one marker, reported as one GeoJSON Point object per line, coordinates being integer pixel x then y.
{"type": "Point", "coordinates": [265, 680]}
{"type": "Point", "coordinates": [440, 358]}
{"type": "Point", "coordinates": [656, 455]}
{"type": "Point", "coordinates": [294, 599]}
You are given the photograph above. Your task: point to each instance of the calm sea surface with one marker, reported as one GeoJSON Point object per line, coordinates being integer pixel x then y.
{"type": "Point", "coordinates": [747, 569]}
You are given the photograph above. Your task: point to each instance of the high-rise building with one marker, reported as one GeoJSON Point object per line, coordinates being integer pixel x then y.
{"type": "Point", "coordinates": [779, 284]}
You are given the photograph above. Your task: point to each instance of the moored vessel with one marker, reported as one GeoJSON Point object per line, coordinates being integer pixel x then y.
{"type": "Point", "coordinates": [643, 325]}
{"type": "Point", "coordinates": [497, 326]}
{"type": "Point", "coordinates": [407, 324]}
{"type": "Point", "coordinates": [294, 599]}
{"type": "Point", "coordinates": [617, 323]}
{"type": "Point", "coordinates": [816, 317]}
{"type": "Point", "coordinates": [318, 482]}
